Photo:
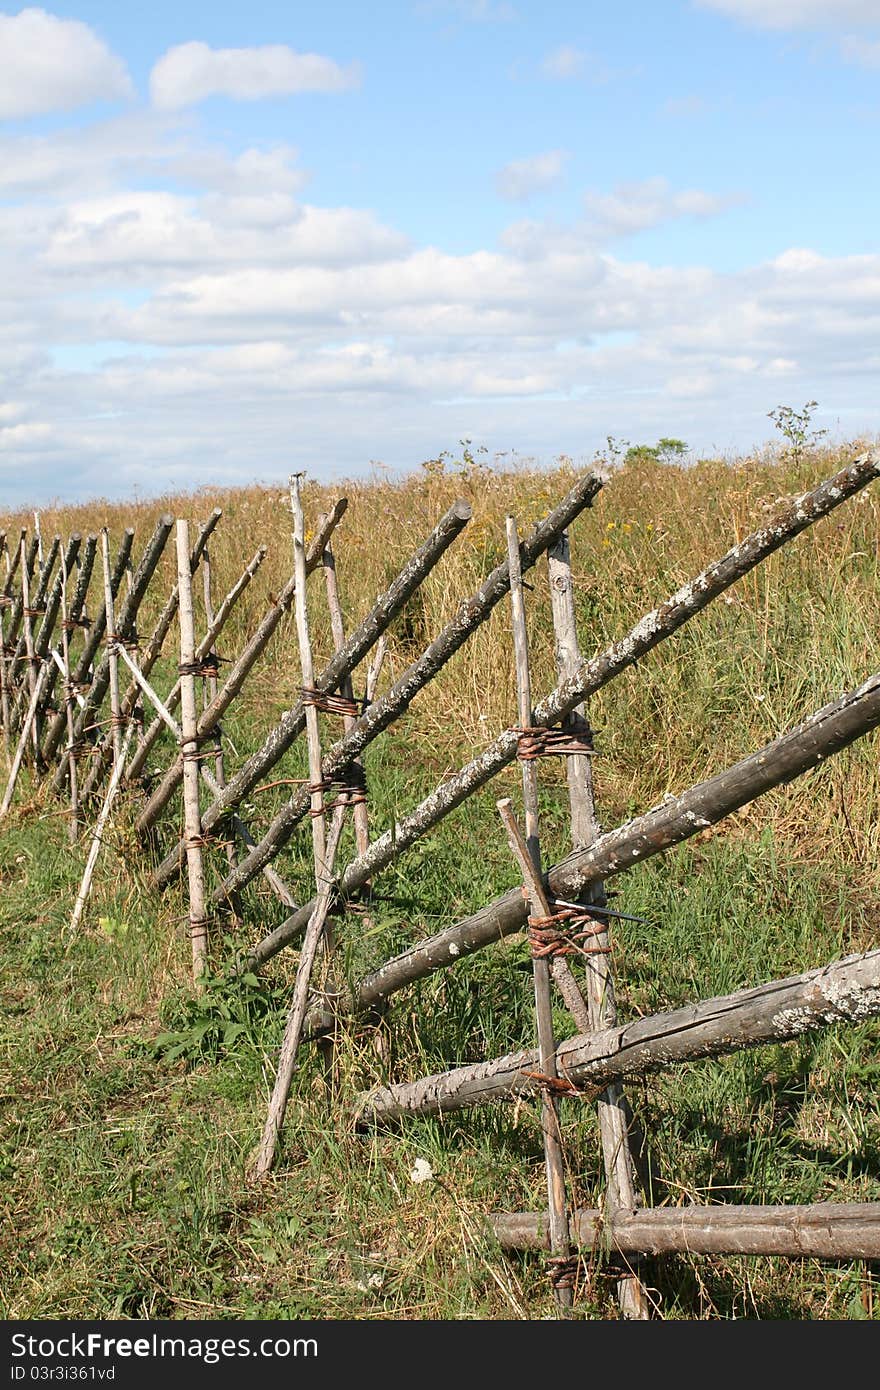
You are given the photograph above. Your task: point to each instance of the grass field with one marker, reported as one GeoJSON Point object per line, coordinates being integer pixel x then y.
{"type": "Point", "coordinates": [130, 1106]}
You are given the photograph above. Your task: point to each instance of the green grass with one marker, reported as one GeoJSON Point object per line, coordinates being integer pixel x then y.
{"type": "Point", "coordinates": [130, 1107]}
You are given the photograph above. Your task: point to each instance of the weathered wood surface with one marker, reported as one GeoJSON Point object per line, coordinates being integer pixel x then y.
{"type": "Point", "coordinates": [591, 675]}
{"type": "Point", "coordinates": [43, 639]}
{"type": "Point", "coordinates": [291, 725]}
{"type": "Point", "coordinates": [384, 711]}
{"type": "Point", "coordinates": [307, 671]}
{"type": "Point", "coordinates": [826, 732]}
{"type": "Point", "coordinates": [612, 1110]}
{"type": "Point", "coordinates": [845, 991]}
{"type": "Point", "coordinates": [190, 756]}
{"type": "Point", "coordinates": [822, 1231]}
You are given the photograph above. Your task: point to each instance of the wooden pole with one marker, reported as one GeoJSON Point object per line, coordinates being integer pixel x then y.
{"type": "Point", "coordinates": [313, 732]}
{"type": "Point", "coordinates": [611, 1105]}
{"type": "Point", "coordinates": [360, 814]}
{"type": "Point", "coordinates": [826, 732]}
{"type": "Point", "coordinates": [528, 855]}
{"type": "Point", "coordinates": [383, 712]}
{"type": "Point", "coordinates": [5, 602]}
{"type": "Point", "coordinates": [844, 991]}
{"type": "Point", "coordinates": [822, 1231]}
{"type": "Point", "coordinates": [28, 645]}
{"type": "Point", "coordinates": [210, 693]}
{"type": "Point", "coordinates": [296, 1015]}
{"type": "Point", "coordinates": [69, 703]}
{"type": "Point", "coordinates": [591, 676]}
{"type": "Point", "coordinates": [112, 649]}
{"type": "Point", "coordinates": [190, 754]}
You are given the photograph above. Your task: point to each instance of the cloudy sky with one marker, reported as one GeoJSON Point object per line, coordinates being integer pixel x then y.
{"type": "Point", "coordinates": [238, 239]}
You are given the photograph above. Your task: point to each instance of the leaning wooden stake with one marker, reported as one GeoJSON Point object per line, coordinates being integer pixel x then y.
{"type": "Point", "coordinates": [190, 754]}
{"type": "Point", "coordinates": [5, 602]}
{"type": "Point", "coordinates": [112, 648]}
{"type": "Point", "coordinates": [98, 833]}
{"type": "Point", "coordinates": [561, 1270]}
{"type": "Point", "coordinates": [69, 701]}
{"type": "Point", "coordinates": [27, 613]}
{"type": "Point", "coordinates": [296, 1016]}
{"type": "Point", "coordinates": [528, 855]}
{"type": "Point", "coordinates": [611, 1105]}
{"type": "Point", "coordinates": [313, 732]}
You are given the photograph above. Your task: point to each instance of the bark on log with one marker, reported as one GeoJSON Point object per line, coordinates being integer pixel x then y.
{"type": "Point", "coordinates": [845, 991]}
{"type": "Point", "coordinates": [472, 612]}
{"type": "Point", "coordinates": [359, 643]}
{"type": "Point", "coordinates": [821, 1231]}
{"type": "Point", "coordinates": [827, 731]}
{"type": "Point", "coordinates": [591, 675]}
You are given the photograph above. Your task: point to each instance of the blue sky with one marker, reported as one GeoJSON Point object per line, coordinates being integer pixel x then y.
{"type": "Point", "coordinates": [235, 240]}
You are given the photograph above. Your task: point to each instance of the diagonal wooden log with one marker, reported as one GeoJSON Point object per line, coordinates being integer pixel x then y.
{"type": "Point", "coordinates": [148, 657]}
{"type": "Point", "coordinates": [359, 643]}
{"type": "Point", "coordinates": [75, 619]}
{"type": "Point", "coordinates": [844, 991]}
{"type": "Point", "coordinates": [125, 627]}
{"type": "Point", "coordinates": [43, 639]}
{"type": "Point", "coordinates": [83, 671]}
{"type": "Point", "coordinates": [821, 1231]}
{"type": "Point", "coordinates": [835, 726]}
{"type": "Point", "coordinates": [590, 676]}
{"type": "Point", "coordinates": [22, 742]}
{"type": "Point", "coordinates": [205, 647]}
{"type": "Point", "coordinates": [383, 712]}
{"type": "Point", "coordinates": [28, 553]}
{"type": "Point", "coordinates": [32, 605]}
{"type": "Point", "coordinates": [139, 759]}
{"type": "Point", "coordinates": [5, 602]}
{"type": "Point", "coordinates": [239, 673]}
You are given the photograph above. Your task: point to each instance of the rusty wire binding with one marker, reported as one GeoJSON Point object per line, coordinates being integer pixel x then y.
{"type": "Point", "coordinates": [208, 666]}
{"type": "Point", "coordinates": [561, 1270]}
{"type": "Point", "coordinates": [331, 704]}
{"type": "Point", "coordinates": [536, 741]}
{"type": "Point", "coordinates": [563, 933]}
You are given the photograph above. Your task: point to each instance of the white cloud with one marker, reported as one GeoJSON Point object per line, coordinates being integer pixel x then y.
{"type": "Point", "coordinates": [191, 72]}
{"type": "Point", "coordinates": [864, 52]}
{"type": "Point", "coordinates": [519, 179]}
{"type": "Point", "coordinates": [51, 64]}
{"type": "Point", "coordinates": [564, 62]}
{"type": "Point", "coordinates": [797, 14]}
{"type": "Point", "coordinates": [636, 207]}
